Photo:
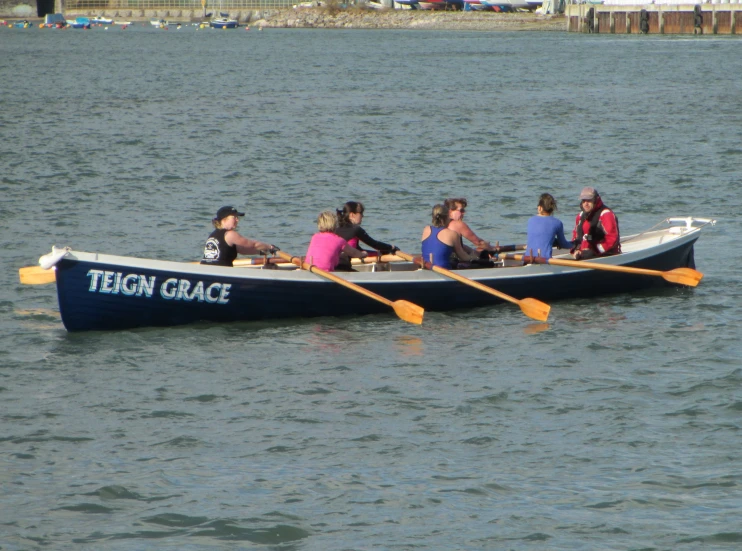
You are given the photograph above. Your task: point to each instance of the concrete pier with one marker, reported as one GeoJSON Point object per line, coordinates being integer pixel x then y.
{"type": "Point", "coordinates": [655, 19]}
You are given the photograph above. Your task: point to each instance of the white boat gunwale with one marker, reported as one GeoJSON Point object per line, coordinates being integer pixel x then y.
{"type": "Point", "coordinates": [635, 249]}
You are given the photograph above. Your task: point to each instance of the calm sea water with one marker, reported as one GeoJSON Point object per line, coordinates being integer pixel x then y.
{"type": "Point", "coordinates": [617, 426]}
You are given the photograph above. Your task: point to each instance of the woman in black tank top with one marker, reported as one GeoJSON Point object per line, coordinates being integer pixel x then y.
{"type": "Point", "coordinates": [224, 242]}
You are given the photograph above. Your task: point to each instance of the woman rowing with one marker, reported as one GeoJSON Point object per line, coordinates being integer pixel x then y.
{"type": "Point", "coordinates": [349, 228]}
{"type": "Point", "coordinates": [325, 247]}
{"type": "Point", "coordinates": [438, 241]}
{"type": "Point", "coordinates": [545, 230]}
{"type": "Point", "coordinates": [457, 209]}
{"type": "Point", "coordinates": [224, 242]}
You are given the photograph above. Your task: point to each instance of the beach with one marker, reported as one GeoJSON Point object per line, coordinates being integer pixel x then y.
{"type": "Point", "coordinates": [328, 18]}
{"type": "Point", "coordinates": [412, 19]}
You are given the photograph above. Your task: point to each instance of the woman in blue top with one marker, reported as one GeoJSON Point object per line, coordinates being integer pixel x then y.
{"type": "Point", "coordinates": [544, 230]}
{"type": "Point", "coordinates": [438, 242]}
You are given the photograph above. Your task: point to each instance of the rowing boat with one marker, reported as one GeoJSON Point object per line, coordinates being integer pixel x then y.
{"type": "Point", "coordinates": [106, 292]}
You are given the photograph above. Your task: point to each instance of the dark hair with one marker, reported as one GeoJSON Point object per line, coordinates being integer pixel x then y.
{"type": "Point", "coordinates": [450, 204]}
{"type": "Point", "coordinates": [440, 216]}
{"type": "Point", "coordinates": [351, 207]}
{"type": "Point", "coordinates": [547, 202]}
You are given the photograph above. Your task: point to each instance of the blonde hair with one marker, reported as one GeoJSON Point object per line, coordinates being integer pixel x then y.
{"type": "Point", "coordinates": [440, 216]}
{"type": "Point", "coordinates": [327, 221]}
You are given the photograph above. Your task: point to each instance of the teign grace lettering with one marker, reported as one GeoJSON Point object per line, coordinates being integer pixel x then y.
{"type": "Point", "coordinates": [114, 283]}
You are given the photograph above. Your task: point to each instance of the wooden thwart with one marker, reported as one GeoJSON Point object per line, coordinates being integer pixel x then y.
{"type": "Point", "coordinates": [530, 306]}
{"type": "Point", "coordinates": [407, 311]}
{"type": "Point", "coordinates": [681, 276]}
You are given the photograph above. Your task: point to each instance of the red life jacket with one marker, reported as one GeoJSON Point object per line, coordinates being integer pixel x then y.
{"type": "Point", "coordinates": [591, 230]}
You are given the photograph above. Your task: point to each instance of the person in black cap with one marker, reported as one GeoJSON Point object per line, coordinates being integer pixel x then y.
{"type": "Point", "coordinates": [596, 228]}
{"type": "Point", "coordinates": [224, 242]}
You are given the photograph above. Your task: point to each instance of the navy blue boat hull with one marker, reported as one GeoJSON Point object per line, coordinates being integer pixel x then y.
{"type": "Point", "coordinates": [93, 297]}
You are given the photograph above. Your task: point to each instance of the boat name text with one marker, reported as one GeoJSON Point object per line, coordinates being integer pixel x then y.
{"type": "Point", "coordinates": [115, 283]}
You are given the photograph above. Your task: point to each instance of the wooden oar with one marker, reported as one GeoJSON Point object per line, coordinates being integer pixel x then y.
{"type": "Point", "coordinates": [681, 276]}
{"type": "Point", "coordinates": [407, 311]}
{"type": "Point", "coordinates": [507, 248]}
{"type": "Point", "coordinates": [530, 306]}
{"type": "Point", "coordinates": [36, 275]}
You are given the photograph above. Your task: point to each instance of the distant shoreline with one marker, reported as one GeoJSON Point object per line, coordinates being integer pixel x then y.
{"type": "Point", "coordinates": [321, 18]}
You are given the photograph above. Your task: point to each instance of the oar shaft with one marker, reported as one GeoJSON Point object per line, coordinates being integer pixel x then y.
{"type": "Point", "coordinates": [584, 265]}
{"type": "Point", "coordinates": [681, 276]}
{"type": "Point", "coordinates": [260, 261]}
{"type": "Point", "coordinates": [457, 277]}
{"type": "Point", "coordinates": [508, 248]}
{"type": "Point", "coordinates": [332, 277]}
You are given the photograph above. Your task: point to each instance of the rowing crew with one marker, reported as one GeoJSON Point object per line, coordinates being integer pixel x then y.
{"type": "Point", "coordinates": [340, 233]}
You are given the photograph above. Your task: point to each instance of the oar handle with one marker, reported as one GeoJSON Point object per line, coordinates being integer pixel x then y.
{"type": "Point", "coordinates": [507, 248]}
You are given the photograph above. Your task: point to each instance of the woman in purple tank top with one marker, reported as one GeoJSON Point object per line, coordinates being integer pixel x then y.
{"type": "Point", "coordinates": [438, 242]}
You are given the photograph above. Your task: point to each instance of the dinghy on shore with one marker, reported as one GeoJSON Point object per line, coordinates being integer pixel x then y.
{"type": "Point", "coordinates": [104, 292]}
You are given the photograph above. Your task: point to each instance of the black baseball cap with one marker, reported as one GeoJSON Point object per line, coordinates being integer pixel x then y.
{"type": "Point", "coordinates": [223, 212]}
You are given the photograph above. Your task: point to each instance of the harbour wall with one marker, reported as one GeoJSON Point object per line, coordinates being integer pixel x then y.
{"type": "Point", "coordinates": [655, 19]}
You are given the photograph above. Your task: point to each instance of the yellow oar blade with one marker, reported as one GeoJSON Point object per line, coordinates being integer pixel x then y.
{"type": "Point", "coordinates": [406, 311]}
{"type": "Point", "coordinates": [535, 309]}
{"type": "Point", "coordinates": [409, 312]}
{"type": "Point", "coordinates": [683, 276]}
{"type": "Point", "coordinates": [530, 306]}
{"type": "Point", "coordinates": [36, 275]}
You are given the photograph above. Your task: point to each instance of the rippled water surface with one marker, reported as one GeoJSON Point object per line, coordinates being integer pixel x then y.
{"type": "Point", "coordinates": [614, 427]}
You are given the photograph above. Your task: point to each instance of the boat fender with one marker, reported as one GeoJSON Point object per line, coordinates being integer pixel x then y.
{"type": "Point", "coordinates": [644, 21]}
{"type": "Point", "coordinates": [52, 258]}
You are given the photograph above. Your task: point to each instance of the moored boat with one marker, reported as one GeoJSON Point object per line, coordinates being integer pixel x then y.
{"type": "Point", "coordinates": [505, 5]}
{"type": "Point", "coordinates": [79, 23]}
{"type": "Point", "coordinates": [474, 5]}
{"type": "Point", "coordinates": [104, 292]}
{"type": "Point", "coordinates": [100, 20]}
{"type": "Point", "coordinates": [223, 22]}
{"type": "Point", "coordinates": [55, 20]}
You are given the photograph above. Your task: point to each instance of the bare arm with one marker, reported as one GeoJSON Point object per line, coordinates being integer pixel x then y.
{"type": "Point", "coordinates": [245, 245]}
{"type": "Point", "coordinates": [353, 252]}
{"type": "Point", "coordinates": [452, 238]}
{"type": "Point", "coordinates": [462, 228]}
